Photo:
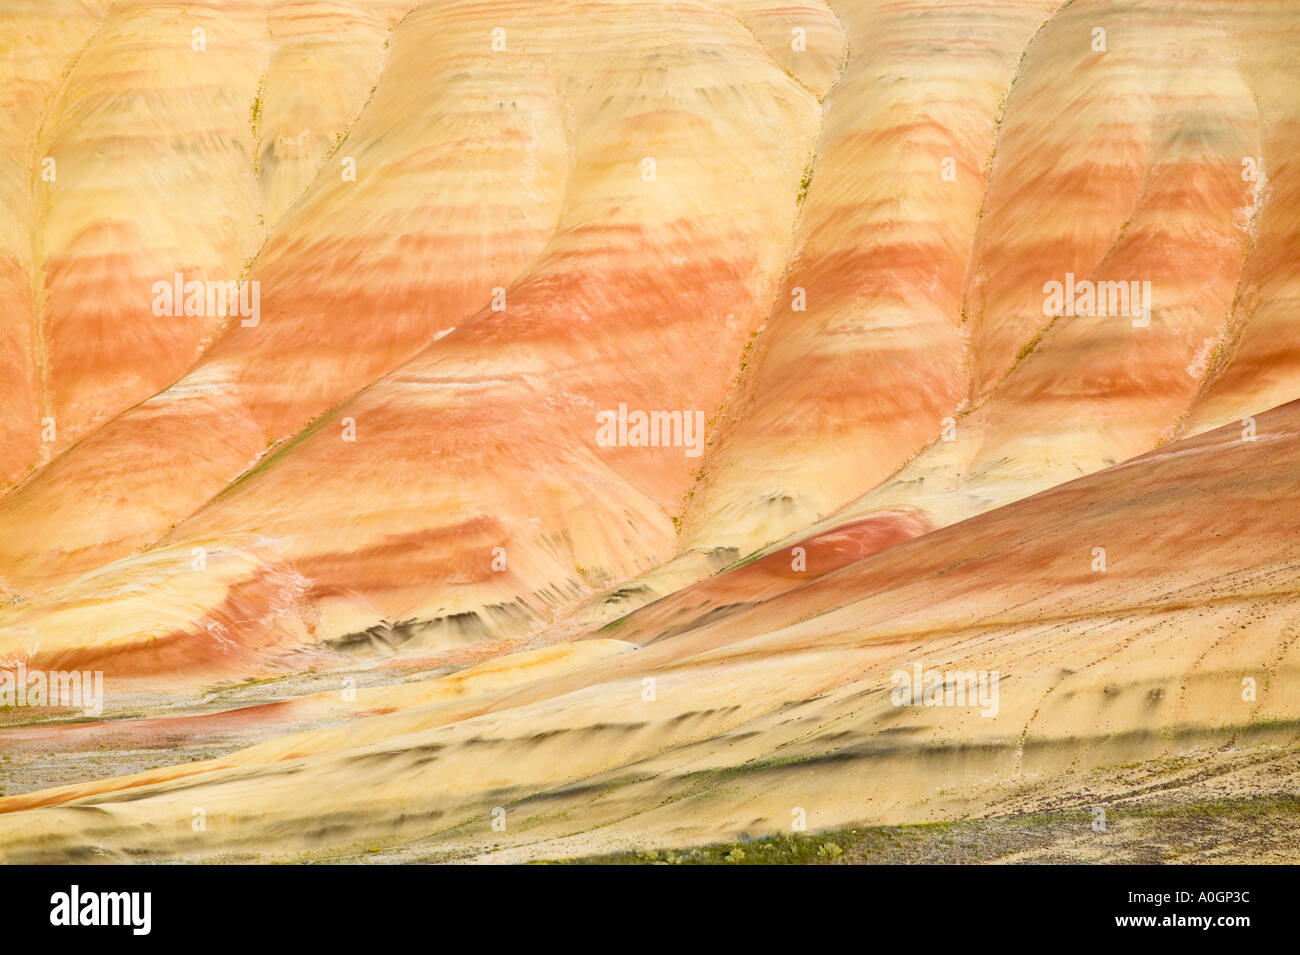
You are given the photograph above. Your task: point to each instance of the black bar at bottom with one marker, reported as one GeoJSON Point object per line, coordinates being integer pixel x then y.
{"type": "Point", "coordinates": [332, 905]}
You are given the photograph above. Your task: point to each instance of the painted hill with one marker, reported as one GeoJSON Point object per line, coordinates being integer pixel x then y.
{"type": "Point", "coordinates": [572, 345]}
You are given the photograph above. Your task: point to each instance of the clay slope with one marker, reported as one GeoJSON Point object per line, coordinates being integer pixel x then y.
{"type": "Point", "coordinates": [580, 344]}
{"type": "Point", "coordinates": [454, 284]}
{"type": "Point", "coordinates": [787, 706]}
{"type": "Point", "coordinates": [548, 297]}
{"type": "Point", "coordinates": [1160, 160]}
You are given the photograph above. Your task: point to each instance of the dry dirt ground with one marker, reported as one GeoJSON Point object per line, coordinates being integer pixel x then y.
{"type": "Point", "coordinates": [1255, 830]}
